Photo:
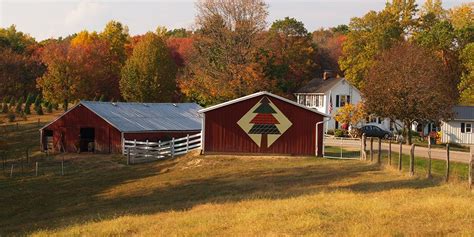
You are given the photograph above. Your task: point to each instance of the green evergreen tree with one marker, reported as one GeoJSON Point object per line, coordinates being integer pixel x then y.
{"type": "Point", "coordinates": [49, 108]}
{"type": "Point", "coordinates": [27, 109]}
{"type": "Point", "coordinates": [5, 108]}
{"type": "Point", "coordinates": [38, 101]}
{"type": "Point", "coordinates": [39, 110]}
{"type": "Point", "coordinates": [12, 102]}
{"type": "Point", "coordinates": [102, 98]}
{"type": "Point", "coordinates": [19, 105]}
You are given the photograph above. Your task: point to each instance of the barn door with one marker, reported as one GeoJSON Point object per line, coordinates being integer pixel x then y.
{"type": "Point", "coordinates": [87, 139]}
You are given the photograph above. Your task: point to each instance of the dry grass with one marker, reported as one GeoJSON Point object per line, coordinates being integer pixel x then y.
{"type": "Point", "coordinates": [226, 195]}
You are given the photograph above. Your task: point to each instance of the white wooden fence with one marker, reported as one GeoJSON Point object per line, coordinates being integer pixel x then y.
{"type": "Point", "coordinates": [144, 151]}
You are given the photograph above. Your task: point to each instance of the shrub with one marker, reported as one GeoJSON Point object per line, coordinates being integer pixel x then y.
{"type": "Point", "coordinates": [19, 105]}
{"type": "Point", "coordinates": [340, 133]}
{"type": "Point", "coordinates": [12, 102]}
{"type": "Point", "coordinates": [330, 132]}
{"type": "Point", "coordinates": [5, 108]}
{"type": "Point", "coordinates": [11, 117]}
{"type": "Point", "coordinates": [49, 108]}
{"type": "Point", "coordinates": [5, 100]}
{"type": "Point", "coordinates": [102, 98]}
{"type": "Point", "coordinates": [39, 110]}
{"type": "Point", "coordinates": [27, 109]}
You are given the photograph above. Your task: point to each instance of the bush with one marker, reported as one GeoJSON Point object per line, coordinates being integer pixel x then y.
{"type": "Point", "coordinates": [11, 117]}
{"type": "Point", "coordinates": [5, 108]}
{"type": "Point", "coordinates": [19, 105]}
{"type": "Point", "coordinates": [12, 102]}
{"type": "Point", "coordinates": [39, 110]}
{"type": "Point", "coordinates": [340, 133]}
{"type": "Point", "coordinates": [330, 132]}
{"type": "Point", "coordinates": [27, 109]}
{"type": "Point", "coordinates": [5, 100]}
{"type": "Point", "coordinates": [49, 108]}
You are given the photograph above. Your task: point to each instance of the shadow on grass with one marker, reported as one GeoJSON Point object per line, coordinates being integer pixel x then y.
{"type": "Point", "coordinates": [55, 202]}
{"type": "Point", "coordinates": [368, 187]}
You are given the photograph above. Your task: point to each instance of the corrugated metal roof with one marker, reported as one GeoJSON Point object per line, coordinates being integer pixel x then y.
{"type": "Point", "coordinates": [463, 112]}
{"type": "Point", "coordinates": [143, 117]}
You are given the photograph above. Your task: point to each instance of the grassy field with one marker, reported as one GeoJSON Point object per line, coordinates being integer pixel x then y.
{"type": "Point", "coordinates": [227, 195]}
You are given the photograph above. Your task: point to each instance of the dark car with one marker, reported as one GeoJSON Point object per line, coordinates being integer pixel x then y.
{"type": "Point", "coordinates": [374, 131]}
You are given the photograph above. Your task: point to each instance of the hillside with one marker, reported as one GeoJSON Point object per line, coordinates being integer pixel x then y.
{"type": "Point", "coordinates": [224, 195]}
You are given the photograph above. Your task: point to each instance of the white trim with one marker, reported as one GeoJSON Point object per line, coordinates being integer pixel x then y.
{"type": "Point", "coordinates": [203, 133]}
{"type": "Point", "coordinates": [256, 95]}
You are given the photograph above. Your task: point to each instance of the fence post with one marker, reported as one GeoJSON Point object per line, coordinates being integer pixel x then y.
{"type": "Point", "coordinates": [62, 166]}
{"type": "Point", "coordinates": [471, 163]}
{"type": "Point", "coordinates": [379, 156]}
{"type": "Point", "coordinates": [362, 147]}
{"type": "Point", "coordinates": [412, 160]}
{"type": "Point", "coordinates": [36, 168]}
{"type": "Point", "coordinates": [147, 149]}
{"type": "Point", "coordinates": [429, 158]}
{"type": "Point", "coordinates": [447, 162]}
{"type": "Point", "coordinates": [390, 152]}
{"type": "Point", "coordinates": [172, 147]}
{"type": "Point", "coordinates": [371, 149]}
{"type": "Point", "coordinates": [400, 156]}
{"type": "Point", "coordinates": [128, 156]}
{"type": "Point", "coordinates": [187, 143]}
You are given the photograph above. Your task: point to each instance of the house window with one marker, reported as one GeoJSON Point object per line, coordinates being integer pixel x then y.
{"type": "Point", "coordinates": [311, 100]}
{"type": "Point", "coordinates": [342, 100]}
{"type": "Point", "coordinates": [466, 127]}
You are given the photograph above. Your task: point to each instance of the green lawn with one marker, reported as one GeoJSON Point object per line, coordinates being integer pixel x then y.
{"type": "Point", "coordinates": [458, 171]}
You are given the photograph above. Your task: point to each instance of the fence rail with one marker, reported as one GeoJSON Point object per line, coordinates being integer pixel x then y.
{"type": "Point", "coordinates": [145, 151]}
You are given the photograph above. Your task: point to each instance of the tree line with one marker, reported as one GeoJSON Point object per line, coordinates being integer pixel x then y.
{"type": "Point", "coordinates": [234, 51]}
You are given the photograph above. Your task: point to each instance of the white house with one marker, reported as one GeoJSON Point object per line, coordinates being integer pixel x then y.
{"type": "Point", "coordinates": [328, 94]}
{"type": "Point", "coordinates": [461, 128]}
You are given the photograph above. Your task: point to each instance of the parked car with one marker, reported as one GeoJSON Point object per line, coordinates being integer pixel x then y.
{"type": "Point", "coordinates": [374, 131]}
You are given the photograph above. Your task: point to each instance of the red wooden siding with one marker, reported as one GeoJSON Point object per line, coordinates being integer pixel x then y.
{"type": "Point", "coordinates": [224, 135]}
{"type": "Point", "coordinates": [107, 137]}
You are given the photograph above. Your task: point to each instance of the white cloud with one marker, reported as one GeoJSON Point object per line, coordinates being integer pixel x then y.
{"type": "Point", "coordinates": [84, 10]}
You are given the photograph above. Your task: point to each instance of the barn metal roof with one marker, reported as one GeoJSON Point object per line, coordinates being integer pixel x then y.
{"type": "Point", "coordinates": [463, 112]}
{"type": "Point", "coordinates": [147, 117]}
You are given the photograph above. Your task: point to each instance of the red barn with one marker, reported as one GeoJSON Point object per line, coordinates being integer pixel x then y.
{"type": "Point", "coordinates": [102, 126]}
{"type": "Point", "coordinates": [262, 123]}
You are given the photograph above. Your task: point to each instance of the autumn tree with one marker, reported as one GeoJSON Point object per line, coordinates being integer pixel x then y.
{"type": "Point", "coordinates": [149, 75]}
{"type": "Point", "coordinates": [466, 86]}
{"type": "Point", "coordinates": [407, 83]}
{"type": "Point", "coordinates": [373, 33]}
{"type": "Point", "coordinates": [225, 61]}
{"type": "Point", "coordinates": [291, 55]}
{"type": "Point", "coordinates": [351, 114]}
{"type": "Point", "coordinates": [117, 36]}
{"type": "Point", "coordinates": [328, 44]}
{"type": "Point", "coordinates": [58, 84]}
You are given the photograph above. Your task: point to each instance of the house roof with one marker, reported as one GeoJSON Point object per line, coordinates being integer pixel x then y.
{"type": "Point", "coordinates": [319, 85]}
{"type": "Point", "coordinates": [463, 112]}
{"type": "Point", "coordinates": [146, 117]}
{"type": "Point", "coordinates": [256, 95]}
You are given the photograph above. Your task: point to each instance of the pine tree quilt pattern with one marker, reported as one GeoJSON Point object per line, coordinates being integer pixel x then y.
{"type": "Point", "coordinates": [264, 123]}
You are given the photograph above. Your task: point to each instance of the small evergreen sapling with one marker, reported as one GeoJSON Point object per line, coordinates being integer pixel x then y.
{"type": "Point", "coordinates": [49, 108]}
{"type": "Point", "coordinates": [19, 105]}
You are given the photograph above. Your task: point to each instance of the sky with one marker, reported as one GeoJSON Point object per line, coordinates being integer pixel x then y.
{"type": "Point", "coordinates": [45, 19]}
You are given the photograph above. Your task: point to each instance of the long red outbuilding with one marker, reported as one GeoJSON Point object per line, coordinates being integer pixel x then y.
{"type": "Point", "coordinates": [103, 126]}
{"type": "Point", "coordinates": [262, 123]}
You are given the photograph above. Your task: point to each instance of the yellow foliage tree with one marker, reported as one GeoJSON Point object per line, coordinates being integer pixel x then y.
{"type": "Point", "coordinates": [351, 114]}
